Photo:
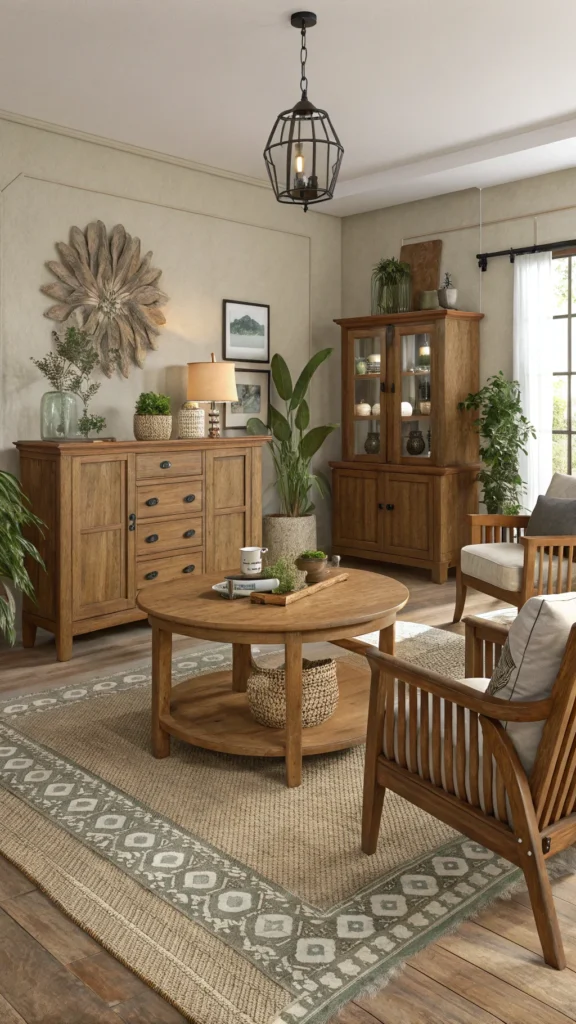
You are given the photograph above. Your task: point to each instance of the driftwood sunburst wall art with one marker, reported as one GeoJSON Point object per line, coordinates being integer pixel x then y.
{"type": "Point", "coordinates": [105, 282]}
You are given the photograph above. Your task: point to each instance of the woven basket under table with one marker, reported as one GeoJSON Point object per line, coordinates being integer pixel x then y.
{"type": "Point", "coordinates": [266, 693]}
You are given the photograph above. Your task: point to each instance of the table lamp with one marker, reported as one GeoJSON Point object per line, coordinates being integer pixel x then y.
{"type": "Point", "coordinates": [212, 382]}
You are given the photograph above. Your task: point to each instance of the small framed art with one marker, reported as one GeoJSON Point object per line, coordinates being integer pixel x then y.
{"type": "Point", "coordinates": [245, 332]}
{"type": "Point", "coordinates": [253, 388]}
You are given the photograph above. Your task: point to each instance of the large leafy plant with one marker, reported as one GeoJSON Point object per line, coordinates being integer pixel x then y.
{"type": "Point", "coordinates": [14, 515]}
{"type": "Point", "coordinates": [505, 432]}
{"type": "Point", "coordinates": [293, 445]}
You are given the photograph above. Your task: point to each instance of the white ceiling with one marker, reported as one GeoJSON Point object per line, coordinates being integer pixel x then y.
{"type": "Point", "coordinates": [427, 97]}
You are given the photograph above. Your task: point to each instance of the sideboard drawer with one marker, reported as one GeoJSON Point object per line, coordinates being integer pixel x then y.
{"type": "Point", "coordinates": [154, 538]}
{"type": "Point", "coordinates": [163, 465]}
{"type": "Point", "coordinates": [171, 567]}
{"type": "Point", "coordinates": [168, 499]}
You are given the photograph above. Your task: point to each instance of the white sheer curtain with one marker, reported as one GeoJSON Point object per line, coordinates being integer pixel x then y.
{"type": "Point", "coordinates": [532, 365]}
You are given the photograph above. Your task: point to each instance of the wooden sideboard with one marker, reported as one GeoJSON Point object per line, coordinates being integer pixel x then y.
{"type": "Point", "coordinates": [123, 515]}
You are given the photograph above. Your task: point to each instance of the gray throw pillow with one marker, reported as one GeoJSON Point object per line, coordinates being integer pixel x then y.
{"type": "Point", "coordinates": [552, 517]}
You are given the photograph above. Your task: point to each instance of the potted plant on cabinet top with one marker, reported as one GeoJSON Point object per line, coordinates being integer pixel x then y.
{"type": "Point", "coordinates": [505, 432]}
{"type": "Point", "coordinates": [14, 514]}
{"type": "Point", "coordinates": [152, 419]}
{"type": "Point", "coordinates": [69, 369]}
{"type": "Point", "coordinates": [391, 287]}
{"type": "Point", "coordinates": [448, 294]}
{"type": "Point", "coordinates": [293, 447]}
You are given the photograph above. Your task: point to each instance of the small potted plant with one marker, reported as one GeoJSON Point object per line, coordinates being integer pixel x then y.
{"type": "Point", "coordinates": [448, 294]}
{"type": "Point", "coordinates": [284, 570]}
{"type": "Point", "coordinates": [15, 548]}
{"type": "Point", "coordinates": [152, 419]}
{"type": "Point", "coordinates": [314, 564]}
{"type": "Point", "coordinates": [391, 287]}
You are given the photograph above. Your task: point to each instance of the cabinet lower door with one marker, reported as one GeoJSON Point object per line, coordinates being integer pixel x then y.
{"type": "Point", "coordinates": [355, 497]}
{"type": "Point", "coordinates": [407, 510]}
{"type": "Point", "coordinates": [103, 546]}
{"type": "Point", "coordinates": [233, 516]}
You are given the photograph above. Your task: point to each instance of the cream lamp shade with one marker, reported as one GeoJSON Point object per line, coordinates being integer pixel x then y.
{"type": "Point", "coordinates": [212, 382]}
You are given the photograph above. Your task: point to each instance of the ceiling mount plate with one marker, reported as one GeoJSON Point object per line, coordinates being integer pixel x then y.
{"type": "Point", "coordinates": [304, 19]}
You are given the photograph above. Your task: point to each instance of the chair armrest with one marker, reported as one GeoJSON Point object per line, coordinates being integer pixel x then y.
{"type": "Point", "coordinates": [563, 541]}
{"type": "Point", "coordinates": [489, 528]}
{"type": "Point", "coordinates": [541, 575]}
{"type": "Point", "coordinates": [458, 693]}
{"type": "Point", "coordinates": [484, 643]}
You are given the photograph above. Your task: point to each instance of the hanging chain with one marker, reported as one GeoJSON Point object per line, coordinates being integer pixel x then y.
{"type": "Point", "coordinates": [303, 57]}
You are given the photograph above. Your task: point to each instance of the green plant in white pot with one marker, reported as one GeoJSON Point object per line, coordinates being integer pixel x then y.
{"type": "Point", "coordinates": [293, 446]}
{"type": "Point", "coordinates": [15, 515]}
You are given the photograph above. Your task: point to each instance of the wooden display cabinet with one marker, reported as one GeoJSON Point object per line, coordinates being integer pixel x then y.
{"type": "Point", "coordinates": [409, 464]}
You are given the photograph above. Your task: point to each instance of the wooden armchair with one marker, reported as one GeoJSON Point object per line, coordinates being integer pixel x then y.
{"type": "Point", "coordinates": [429, 738]}
{"type": "Point", "coordinates": [502, 562]}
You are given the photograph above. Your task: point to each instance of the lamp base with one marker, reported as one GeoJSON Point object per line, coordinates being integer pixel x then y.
{"type": "Point", "coordinates": [213, 421]}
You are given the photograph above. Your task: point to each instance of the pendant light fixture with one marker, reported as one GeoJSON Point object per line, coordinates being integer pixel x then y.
{"type": "Point", "coordinates": [303, 153]}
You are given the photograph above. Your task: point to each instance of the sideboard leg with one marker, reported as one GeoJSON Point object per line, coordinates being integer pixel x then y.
{"type": "Point", "coordinates": [439, 572]}
{"type": "Point", "coordinates": [161, 687]}
{"type": "Point", "coordinates": [293, 648]}
{"type": "Point", "coordinates": [241, 666]}
{"type": "Point", "coordinates": [28, 633]}
{"type": "Point", "coordinates": [64, 641]}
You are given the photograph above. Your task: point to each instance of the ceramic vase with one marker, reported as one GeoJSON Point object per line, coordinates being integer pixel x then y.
{"type": "Point", "coordinates": [372, 443]}
{"type": "Point", "coordinates": [415, 444]}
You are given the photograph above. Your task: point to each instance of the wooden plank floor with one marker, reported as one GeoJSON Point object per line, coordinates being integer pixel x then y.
{"type": "Point", "coordinates": [51, 972]}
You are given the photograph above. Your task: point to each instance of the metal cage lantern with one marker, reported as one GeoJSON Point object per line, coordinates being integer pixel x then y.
{"type": "Point", "coordinates": [303, 153]}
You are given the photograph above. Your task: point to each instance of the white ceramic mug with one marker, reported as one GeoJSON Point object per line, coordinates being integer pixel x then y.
{"type": "Point", "coordinates": [251, 560]}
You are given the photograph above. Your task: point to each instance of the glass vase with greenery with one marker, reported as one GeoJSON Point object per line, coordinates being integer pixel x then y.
{"type": "Point", "coordinates": [391, 286]}
{"type": "Point", "coordinates": [504, 433]}
{"type": "Point", "coordinates": [15, 515]}
{"type": "Point", "coordinates": [293, 445]}
{"type": "Point", "coordinates": [69, 370]}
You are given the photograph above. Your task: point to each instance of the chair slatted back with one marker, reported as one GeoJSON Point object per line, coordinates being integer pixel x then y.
{"type": "Point", "coordinates": [553, 780]}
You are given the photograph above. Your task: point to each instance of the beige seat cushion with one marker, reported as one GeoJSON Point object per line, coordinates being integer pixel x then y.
{"type": "Point", "coordinates": [502, 565]}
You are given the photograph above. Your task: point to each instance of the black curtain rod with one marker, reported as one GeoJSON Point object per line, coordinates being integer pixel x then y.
{"type": "Point", "coordinates": [483, 257]}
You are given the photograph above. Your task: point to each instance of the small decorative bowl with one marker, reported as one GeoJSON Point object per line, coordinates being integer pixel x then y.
{"type": "Point", "coordinates": [316, 569]}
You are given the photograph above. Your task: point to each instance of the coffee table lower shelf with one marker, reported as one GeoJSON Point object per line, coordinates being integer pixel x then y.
{"type": "Point", "coordinates": [206, 711]}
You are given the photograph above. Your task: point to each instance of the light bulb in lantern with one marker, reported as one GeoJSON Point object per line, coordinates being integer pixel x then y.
{"type": "Point", "coordinates": [300, 178]}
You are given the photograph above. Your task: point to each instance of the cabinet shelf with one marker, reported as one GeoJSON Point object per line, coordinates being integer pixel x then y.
{"type": "Point", "coordinates": [415, 373]}
{"type": "Point", "coordinates": [366, 418]}
{"type": "Point", "coordinates": [421, 416]}
{"type": "Point", "coordinates": [367, 376]}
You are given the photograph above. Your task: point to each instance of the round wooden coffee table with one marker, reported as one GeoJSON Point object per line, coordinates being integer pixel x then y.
{"type": "Point", "coordinates": [209, 713]}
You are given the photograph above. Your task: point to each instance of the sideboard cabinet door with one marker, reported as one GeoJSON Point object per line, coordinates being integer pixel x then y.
{"type": "Point", "coordinates": [103, 540]}
{"type": "Point", "coordinates": [233, 515]}
{"type": "Point", "coordinates": [356, 514]}
{"type": "Point", "coordinates": [407, 511]}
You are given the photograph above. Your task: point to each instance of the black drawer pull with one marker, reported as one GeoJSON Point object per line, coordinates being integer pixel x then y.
{"type": "Point", "coordinates": [389, 508]}
{"type": "Point", "coordinates": [380, 504]}
{"type": "Point", "coordinates": [189, 498]}
{"type": "Point", "coordinates": [152, 501]}
{"type": "Point", "coordinates": [151, 575]}
{"type": "Point", "coordinates": [152, 538]}
{"type": "Point", "coordinates": [190, 533]}
{"type": "Point", "coordinates": [188, 568]}
{"type": "Point", "coordinates": [165, 464]}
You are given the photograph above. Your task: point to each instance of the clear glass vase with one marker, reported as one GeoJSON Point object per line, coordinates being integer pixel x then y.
{"type": "Point", "coordinates": [59, 414]}
{"type": "Point", "coordinates": [391, 298]}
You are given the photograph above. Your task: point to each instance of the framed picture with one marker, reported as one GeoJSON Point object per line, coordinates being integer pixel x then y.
{"type": "Point", "coordinates": [245, 332]}
{"type": "Point", "coordinates": [253, 388]}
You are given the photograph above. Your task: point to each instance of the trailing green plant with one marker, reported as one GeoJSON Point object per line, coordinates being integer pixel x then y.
{"type": "Point", "coordinates": [389, 278]}
{"type": "Point", "coordinates": [293, 446]}
{"type": "Point", "coordinates": [152, 404]}
{"type": "Point", "coordinates": [70, 368]}
{"type": "Point", "coordinates": [285, 572]}
{"type": "Point", "coordinates": [14, 515]}
{"type": "Point", "coordinates": [505, 433]}
{"type": "Point", "coordinates": [313, 554]}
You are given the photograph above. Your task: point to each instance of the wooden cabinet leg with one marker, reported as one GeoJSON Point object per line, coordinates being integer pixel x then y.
{"type": "Point", "coordinates": [28, 633]}
{"type": "Point", "coordinates": [439, 572]}
{"type": "Point", "coordinates": [64, 641]}
{"type": "Point", "coordinates": [241, 666]}
{"type": "Point", "coordinates": [161, 687]}
{"type": "Point", "coordinates": [293, 650]}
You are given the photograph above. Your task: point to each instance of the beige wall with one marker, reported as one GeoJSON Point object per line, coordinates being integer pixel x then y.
{"type": "Point", "coordinates": [213, 237]}
{"type": "Point", "coordinates": [537, 209]}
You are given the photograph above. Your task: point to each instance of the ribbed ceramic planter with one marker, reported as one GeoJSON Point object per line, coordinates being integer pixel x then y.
{"type": "Point", "coordinates": [152, 428]}
{"type": "Point", "coordinates": [288, 537]}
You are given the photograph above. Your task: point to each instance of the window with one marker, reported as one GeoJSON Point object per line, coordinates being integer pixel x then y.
{"type": "Point", "coordinates": [564, 364]}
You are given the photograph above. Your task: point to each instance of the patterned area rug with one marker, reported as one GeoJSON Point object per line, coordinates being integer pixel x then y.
{"type": "Point", "coordinates": [236, 898]}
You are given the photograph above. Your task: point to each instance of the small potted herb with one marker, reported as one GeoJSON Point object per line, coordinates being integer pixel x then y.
{"type": "Point", "coordinates": [314, 564]}
{"type": "Point", "coordinates": [152, 419]}
{"type": "Point", "coordinates": [448, 294]}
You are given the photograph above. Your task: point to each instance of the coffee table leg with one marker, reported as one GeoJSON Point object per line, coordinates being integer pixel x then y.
{"type": "Point", "coordinates": [241, 666]}
{"type": "Point", "coordinates": [161, 687]}
{"type": "Point", "coordinates": [387, 642]}
{"type": "Point", "coordinates": [293, 648]}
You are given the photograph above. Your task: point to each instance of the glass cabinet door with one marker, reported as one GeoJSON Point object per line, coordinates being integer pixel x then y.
{"type": "Point", "coordinates": [369, 411]}
{"type": "Point", "coordinates": [416, 394]}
